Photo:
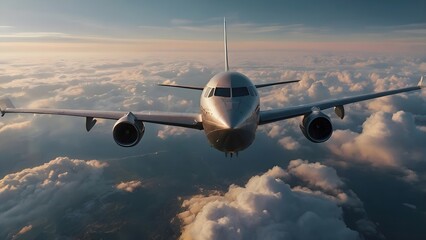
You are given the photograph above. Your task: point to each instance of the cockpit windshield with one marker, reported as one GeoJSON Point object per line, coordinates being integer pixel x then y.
{"type": "Point", "coordinates": [222, 92]}
{"type": "Point", "coordinates": [226, 92]}
{"type": "Point", "coordinates": [240, 92]}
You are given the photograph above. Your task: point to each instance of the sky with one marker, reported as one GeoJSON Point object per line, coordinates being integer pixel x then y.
{"type": "Point", "coordinates": [57, 181]}
{"type": "Point", "coordinates": [128, 26]}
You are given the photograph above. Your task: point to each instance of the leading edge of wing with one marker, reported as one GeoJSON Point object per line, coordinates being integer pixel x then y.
{"type": "Point", "coordinates": [187, 120]}
{"type": "Point", "coordinates": [181, 86]}
{"type": "Point", "coordinates": [274, 115]}
{"type": "Point", "coordinates": [275, 83]}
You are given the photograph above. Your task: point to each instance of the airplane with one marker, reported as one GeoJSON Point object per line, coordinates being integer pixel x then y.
{"type": "Point", "coordinates": [229, 112]}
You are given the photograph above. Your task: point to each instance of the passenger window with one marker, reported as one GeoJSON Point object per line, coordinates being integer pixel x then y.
{"type": "Point", "coordinates": [222, 92]}
{"type": "Point", "coordinates": [240, 92]}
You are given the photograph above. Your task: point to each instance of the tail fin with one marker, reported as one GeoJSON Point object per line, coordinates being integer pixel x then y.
{"type": "Point", "coordinates": [225, 42]}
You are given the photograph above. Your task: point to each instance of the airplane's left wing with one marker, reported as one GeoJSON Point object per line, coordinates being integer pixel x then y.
{"type": "Point", "coordinates": [269, 116]}
{"type": "Point", "coordinates": [187, 120]}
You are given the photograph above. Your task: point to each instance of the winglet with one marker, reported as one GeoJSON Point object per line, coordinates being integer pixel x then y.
{"type": "Point", "coordinates": [421, 84]}
{"type": "Point", "coordinates": [225, 43]}
{"type": "Point", "coordinates": [5, 103]}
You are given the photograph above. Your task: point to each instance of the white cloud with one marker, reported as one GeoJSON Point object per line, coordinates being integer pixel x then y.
{"type": "Point", "coordinates": [289, 143]}
{"type": "Point", "coordinates": [129, 186]}
{"type": "Point", "coordinates": [383, 142]}
{"type": "Point", "coordinates": [14, 126]}
{"type": "Point", "coordinates": [167, 131]}
{"type": "Point", "coordinates": [315, 174]}
{"type": "Point", "coordinates": [37, 193]}
{"type": "Point", "coordinates": [268, 208]}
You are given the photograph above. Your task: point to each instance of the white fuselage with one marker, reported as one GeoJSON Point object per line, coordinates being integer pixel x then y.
{"type": "Point", "coordinates": [229, 107]}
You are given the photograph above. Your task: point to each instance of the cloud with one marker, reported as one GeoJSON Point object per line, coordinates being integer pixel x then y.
{"type": "Point", "coordinates": [14, 126]}
{"type": "Point", "coordinates": [129, 186]}
{"type": "Point", "coordinates": [422, 67]}
{"type": "Point", "coordinates": [315, 174]}
{"type": "Point", "coordinates": [35, 194]}
{"type": "Point", "coordinates": [129, 84]}
{"type": "Point", "coordinates": [167, 131]}
{"type": "Point", "coordinates": [288, 142]}
{"type": "Point", "coordinates": [408, 205]}
{"type": "Point", "coordinates": [383, 142]}
{"type": "Point", "coordinates": [268, 208]}
{"type": "Point", "coordinates": [23, 231]}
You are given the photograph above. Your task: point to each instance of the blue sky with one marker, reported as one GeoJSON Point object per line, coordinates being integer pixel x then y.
{"type": "Point", "coordinates": [388, 23]}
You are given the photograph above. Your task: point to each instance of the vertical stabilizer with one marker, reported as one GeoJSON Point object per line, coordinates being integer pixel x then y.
{"type": "Point", "coordinates": [225, 42]}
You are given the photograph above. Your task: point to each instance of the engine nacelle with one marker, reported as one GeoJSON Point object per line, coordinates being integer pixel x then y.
{"type": "Point", "coordinates": [127, 131]}
{"type": "Point", "coordinates": [316, 127]}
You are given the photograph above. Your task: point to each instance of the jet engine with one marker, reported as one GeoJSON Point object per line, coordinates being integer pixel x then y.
{"type": "Point", "coordinates": [128, 131]}
{"type": "Point", "coordinates": [316, 127]}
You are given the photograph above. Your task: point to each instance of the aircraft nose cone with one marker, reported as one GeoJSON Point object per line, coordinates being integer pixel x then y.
{"type": "Point", "coordinates": [233, 121]}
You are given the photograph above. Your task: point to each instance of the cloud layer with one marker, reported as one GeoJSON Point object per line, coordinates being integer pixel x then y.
{"type": "Point", "coordinates": [37, 194]}
{"type": "Point", "coordinates": [268, 208]}
{"type": "Point", "coordinates": [179, 162]}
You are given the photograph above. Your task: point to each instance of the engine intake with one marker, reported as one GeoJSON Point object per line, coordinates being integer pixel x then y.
{"type": "Point", "coordinates": [128, 131]}
{"type": "Point", "coordinates": [316, 127]}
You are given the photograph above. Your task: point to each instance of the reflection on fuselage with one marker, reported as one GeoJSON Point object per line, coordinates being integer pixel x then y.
{"type": "Point", "coordinates": [230, 111]}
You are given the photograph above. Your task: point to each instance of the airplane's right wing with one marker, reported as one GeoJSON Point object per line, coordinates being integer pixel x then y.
{"type": "Point", "coordinates": [274, 115]}
{"type": "Point", "coordinates": [187, 120]}
{"type": "Point", "coordinates": [181, 86]}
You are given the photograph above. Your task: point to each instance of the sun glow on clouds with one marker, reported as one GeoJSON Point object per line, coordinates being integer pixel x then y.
{"type": "Point", "coordinates": [160, 45]}
{"type": "Point", "coordinates": [34, 194]}
{"type": "Point", "coordinates": [394, 125]}
{"type": "Point", "coordinates": [268, 208]}
{"type": "Point", "coordinates": [129, 186]}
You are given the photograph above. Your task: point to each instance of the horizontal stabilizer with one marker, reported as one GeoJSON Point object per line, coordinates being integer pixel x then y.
{"type": "Point", "coordinates": [181, 86]}
{"type": "Point", "coordinates": [275, 83]}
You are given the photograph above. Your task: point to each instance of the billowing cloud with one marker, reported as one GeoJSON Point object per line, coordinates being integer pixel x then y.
{"type": "Point", "coordinates": [315, 174]}
{"type": "Point", "coordinates": [129, 186]}
{"type": "Point", "coordinates": [36, 194]}
{"type": "Point", "coordinates": [383, 142]}
{"type": "Point", "coordinates": [128, 83]}
{"type": "Point", "coordinates": [289, 143]}
{"type": "Point", "coordinates": [268, 208]}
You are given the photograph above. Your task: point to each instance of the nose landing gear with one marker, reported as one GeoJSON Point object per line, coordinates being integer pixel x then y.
{"type": "Point", "coordinates": [231, 154]}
